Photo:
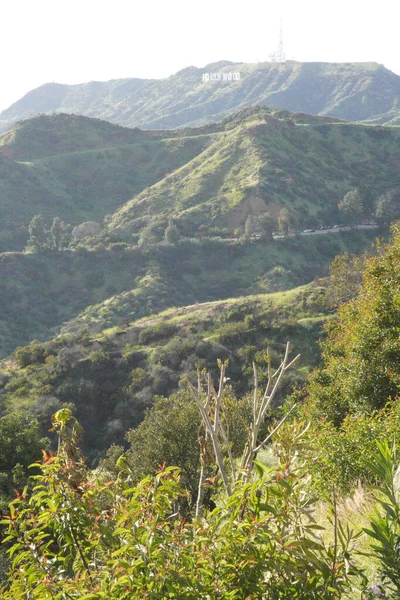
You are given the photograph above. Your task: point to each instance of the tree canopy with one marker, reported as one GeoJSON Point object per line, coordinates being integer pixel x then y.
{"type": "Point", "coordinates": [352, 206]}
{"type": "Point", "coordinates": [362, 350]}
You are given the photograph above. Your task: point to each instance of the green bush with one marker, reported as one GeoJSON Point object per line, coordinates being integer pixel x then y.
{"type": "Point", "coordinates": [28, 355]}
{"type": "Point", "coordinates": [338, 454]}
{"type": "Point", "coordinates": [76, 536]}
{"type": "Point", "coordinates": [362, 349]}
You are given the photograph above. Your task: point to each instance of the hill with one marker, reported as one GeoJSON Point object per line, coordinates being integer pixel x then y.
{"type": "Point", "coordinates": [41, 292]}
{"type": "Point", "coordinates": [210, 179]}
{"type": "Point", "coordinates": [261, 162]}
{"type": "Point", "coordinates": [79, 169]}
{"type": "Point", "coordinates": [111, 376]}
{"type": "Point", "coordinates": [350, 91]}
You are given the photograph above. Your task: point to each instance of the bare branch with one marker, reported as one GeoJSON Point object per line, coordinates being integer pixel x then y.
{"type": "Point", "coordinates": [212, 412]}
{"type": "Point", "coordinates": [214, 438]}
{"type": "Point", "coordinates": [291, 363]}
{"type": "Point", "coordinates": [269, 436]}
{"type": "Point", "coordinates": [255, 400]}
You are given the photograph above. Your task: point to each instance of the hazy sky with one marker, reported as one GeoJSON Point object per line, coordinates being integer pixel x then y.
{"type": "Point", "coordinates": [81, 40]}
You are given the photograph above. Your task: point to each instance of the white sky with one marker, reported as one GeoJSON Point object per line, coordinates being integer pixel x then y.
{"type": "Point", "coordinates": [82, 40]}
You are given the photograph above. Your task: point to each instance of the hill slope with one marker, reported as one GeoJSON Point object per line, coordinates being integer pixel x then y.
{"type": "Point", "coordinates": [212, 177]}
{"type": "Point", "coordinates": [80, 169]}
{"type": "Point", "coordinates": [41, 292]}
{"type": "Point", "coordinates": [350, 91]}
{"type": "Point", "coordinates": [112, 376]}
{"type": "Point", "coordinates": [263, 161]}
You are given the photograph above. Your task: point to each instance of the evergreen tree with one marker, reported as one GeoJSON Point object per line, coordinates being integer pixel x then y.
{"type": "Point", "coordinates": [267, 225]}
{"type": "Point", "coordinates": [388, 206]}
{"type": "Point", "coordinates": [345, 278]}
{"type": "Point", "coordinates": [352, 207]}
{"type": "Point", "coordinates": [87, 229]}
{"type": "Point", "coordinates": [60, 234]}
{"type": "Point", "coordinates": [284, 221]}
{"type": "Point", "coordinates": [172, 234]}
{"type": "Point", "coordinates": [39, 235]}
{"type": "Point", "coordinates": [249, 227]}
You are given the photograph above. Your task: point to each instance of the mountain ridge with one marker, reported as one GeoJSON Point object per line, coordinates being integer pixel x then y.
{"type": "Point", "coordinates": [350, 91]}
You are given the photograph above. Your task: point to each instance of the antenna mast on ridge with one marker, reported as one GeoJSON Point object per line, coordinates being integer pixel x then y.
{"type": "Point", "coordinates": [279, 55]}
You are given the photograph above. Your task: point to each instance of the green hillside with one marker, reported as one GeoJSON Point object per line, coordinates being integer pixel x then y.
{"type": "Point", "coordinates": [263, 161]}
{"type": "Point", "coordinates": [350, 91]}
{"type": "Point", "coordinates": [111, 376]}
{"type": "Point", "coordinates": [79, 169]}
{"type": "Point", "coordinates": [97, 289]}
{"type": "Point", "coordinates": [210, 179]}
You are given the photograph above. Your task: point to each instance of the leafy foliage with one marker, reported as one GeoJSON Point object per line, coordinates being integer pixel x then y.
{"type": "Point", "coordinates": [345, 278]}
{"type": "Point", "coordinates": [352, 206]}
{"type": "Point", "coordinates": [384, 528]}
{"type": "Point", "coordinates": [337, 455]}
{"type": "Point", "coordinates": [172, 234]}
{"type": "Point", "coordinates": [39, 238]}
{"type": "Point", "coordinates": [388, 206]}
{"type": "Point", "coordinates": [75, 536]}
{"type": "Point", "coordinates": [21, 443]}
{"type": "Point", "coordinates": [361, 353]}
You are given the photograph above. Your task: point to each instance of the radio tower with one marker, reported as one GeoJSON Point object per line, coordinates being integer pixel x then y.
{"type": "Point", "coordinates": [279, 55]}
{"type": "Point", "coordinates": [281, 52]}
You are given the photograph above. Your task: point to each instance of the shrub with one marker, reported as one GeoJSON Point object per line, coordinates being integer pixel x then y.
{"type": "Point", "coordinates": [77, 536]}
{"type": "Point", "coordinates": [28, 355]}
{"type": "Point", "coordinates": [362, 350]}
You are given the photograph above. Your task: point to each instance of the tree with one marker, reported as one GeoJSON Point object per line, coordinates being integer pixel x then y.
{"type": "Point", "coordinates": [86, 229]}
{"type": "Point", "coordinates": [249, 227]}
{"type": "Point", "coordinates": [362, 349]}
{"type": "Point", "coordinates": [352, 206]}
{"type": "Point", "coordinates": [345, 279]}
{"type": "Point", "coordinates": [172, 234]}
{"type": "Point", "coordinates": [212, 404]}
{"type": "Point", "coordinates": [284, 221]}
{"type": "Point", "coordinates": [167, 433]}
{"type": "Point", "coordinates": [152, 233]}
{"type": "Point", "coordinates": [388, 206]}
{"type": "Point", "coordinates": [267, 225]}
{"type": "Point", "coordinates": [60, 233]}
{"type": "Point", "coordinates": [20, 445]}
{"type": "Point", "coordinates": [171, 431]}
{"type": "Point", "coordinates": [39, 235]}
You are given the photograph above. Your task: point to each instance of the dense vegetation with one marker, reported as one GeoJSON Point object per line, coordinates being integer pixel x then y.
{"type": "Point", "coordinates": [110, 534]}
{"type": "Point", "coordinates": [111, 376]}
{"type": "Point", "coordinates": [80, 537]}
{"type": "Point", "coordinates": [361, 354]}
{"type": "Point", "coordinates": [350, 91]}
